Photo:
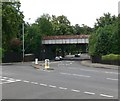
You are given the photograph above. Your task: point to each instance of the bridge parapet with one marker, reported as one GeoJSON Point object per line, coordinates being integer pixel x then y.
{"type": "Point", "coordinates": [66, 39]}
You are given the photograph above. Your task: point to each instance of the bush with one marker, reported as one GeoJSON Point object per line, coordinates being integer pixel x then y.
{"type": "Point", "coordinates": [1, 54]}
{"type": "Point", "coordinates": [112, 57]}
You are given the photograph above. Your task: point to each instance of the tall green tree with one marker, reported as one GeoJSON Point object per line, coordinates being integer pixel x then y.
{"type": "Point", "coordinates": [12, 19]}
{"type": "Point", "coordinates": [32, 39]}
{"type": "Point", "coordinates": [105, 38]}
{"type": "Point", "coordinates": [45, 24]}
{"type": "Point", "coordinates": [84, 29]}
{"type": "Point", "coordinates": [61, 25]}
{"type": "Point", "coordinates": [105, 20]}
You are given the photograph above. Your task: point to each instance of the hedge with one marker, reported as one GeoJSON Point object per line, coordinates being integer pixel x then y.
{"type": "Point", "coordinates": [112, 57]}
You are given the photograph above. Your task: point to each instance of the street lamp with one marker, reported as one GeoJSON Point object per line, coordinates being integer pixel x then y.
{"type": "Point", "coordinates": [23, 27]}
{"type": "Point", "coordinates": [23, 41]}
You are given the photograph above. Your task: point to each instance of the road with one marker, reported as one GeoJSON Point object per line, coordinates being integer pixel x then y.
{"type": "Point", "coordinates": [68, 80]}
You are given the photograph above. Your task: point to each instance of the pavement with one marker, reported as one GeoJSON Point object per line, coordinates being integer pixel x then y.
{"type": "Point", "coordinates": [88, 63]}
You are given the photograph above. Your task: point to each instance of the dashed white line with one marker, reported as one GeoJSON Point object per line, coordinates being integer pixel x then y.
{"type": "Point", "coordinates": [111, 79]}
{"type": "Point", "coordinates": [89, 70]}
{"type": "Point", "coordinates": [89, 93]}
{"type": "Point", "coordinates": [104, 95]}
{"type": "Point", "coordinates": [74, 74]}
{"type": "Point", "coordinates": [26, 81]}
{"type": "Point", "coordinates": [74, 90]}
{"type": "Point", "coordinates": [65, 73]}
{"type": "Point", "coordinates": [11, 80]}
{"type": "Point", "coordinates": [43, 84]}
{"type": "Point", "coordinates": [111, 72]}
{"type": "Point", "coordinates": [4, 77]}
{"type": "Point", "coordinates": [81, 75]}
{"type": "Point", "coordinates": [52, 86]}
{"type": "Point", "coordinates": [34, 83]}
{"type": "Point", "coordinates": [17, 80]}
{"type": "Point", "coordinates": [62, 88]}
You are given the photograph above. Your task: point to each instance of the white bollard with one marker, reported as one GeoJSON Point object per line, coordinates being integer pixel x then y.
{"type": "Point", "coordinates": [47, 64]}
{"type": "Point", "coordinates": [36, 61]}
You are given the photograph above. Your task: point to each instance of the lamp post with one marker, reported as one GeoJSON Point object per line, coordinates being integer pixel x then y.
{"type": "Point", "coordinates": [23, 48]}
{"type": "Point", "coordinates": [23, 41]}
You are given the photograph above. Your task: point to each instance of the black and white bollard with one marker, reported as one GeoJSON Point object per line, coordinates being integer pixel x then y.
{"type": "Point", "coordinates": [36, 63]}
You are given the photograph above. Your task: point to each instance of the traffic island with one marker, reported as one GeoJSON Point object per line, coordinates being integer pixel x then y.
{"type": "Point", "coordinates": [49, 69]}
{"type": "Point", "coordinates": [36, 66]}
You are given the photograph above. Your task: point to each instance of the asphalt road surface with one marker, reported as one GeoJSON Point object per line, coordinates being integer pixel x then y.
{"type": "Point", "coordinates": [68, 80]}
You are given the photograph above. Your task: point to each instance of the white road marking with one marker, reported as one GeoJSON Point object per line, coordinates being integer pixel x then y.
{"type": "Point", "coordinates": [111, 79]}
{"type": "Point", "coordinates": [96, 71]}
{"type": "Point", "coordinates": [74, 74]}
{"type": "Point", "coordinates": [43, 84]}
{"type": "Point", "coordinates": [81, 75]}
{"type": "Point", "coordinates": [52, 86]}
{"type": "Point", "coordinates": [67, 64]}
{"type": "Point", "coordinates": [111, 72]}
{"type": "Point", "coordinates": [17, 80]}
{"type": "Point", "coordinates": [26, 81]}
{"type": "Point", "coordinates": [89, 70]}
{"type": "Point", "coordinates": [11, 80]}
{"type": "Point", "coordinates": [34, 83]}
{"type": "Point", "coordinates": [4, 77]}
{"type": "Point", "coordinates": [8, 82]}
{"type": "Point", "coordinates": [89, 93]}
{"type": "Point", "coordinates": [62, 88]}
{"type": "Point", "coordinates": [104, 95]}
{"type": "Point", "coordinates": [74, 90]}
{"type": "Point", "coordinates": [65, 73]}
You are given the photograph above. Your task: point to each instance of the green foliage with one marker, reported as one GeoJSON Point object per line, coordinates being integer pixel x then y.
{"type": "Point", "coordinates": [92, 44]}
{"type": "Point", "coordinates": [1, 54]}
{"type": "Point", "coordinates": [61, 25]}
{"type": "Point", "coordinates": [105, 39]}
{"type": "Point", "coordinates": [111, 57]}
{"type": "Point", "coordinates": [84, 29]}
{"type": "Point", "coordinates": [12, 19]}
{"type": "Point", "coordinates": [105, 20]}
{"type": "Point", "coordinates": [32, 39]}
{"type": "Point", "coordinates": [45, 25]}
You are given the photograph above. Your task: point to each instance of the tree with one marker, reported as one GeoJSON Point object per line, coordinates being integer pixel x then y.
{"type": "Point", "coordinates": [61, 25]}
{"type": "Point", "coordinates": [84, 29]}
{"type": "Point", "coordinates": [104, 20]}
{"type": "Point", "coordinates": [102, 46]}
{"type": "Point", "coordinates": [32, 39]}
{"type": "Point", "coordinates": [45, 24]}
{"type": "Point", "coordinates": [115, 37]}
{"type": "Point", "coordinates": [103, 40]}
{"type": "Point", "coordinates": [12, 19]}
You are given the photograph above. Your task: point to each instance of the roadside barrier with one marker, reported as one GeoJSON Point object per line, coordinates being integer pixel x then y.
{"type": "Point", "coordinates": [47, 64]}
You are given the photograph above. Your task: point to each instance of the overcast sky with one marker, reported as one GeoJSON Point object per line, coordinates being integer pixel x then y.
{"type": "Point", "coordinates": [77, 11]}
